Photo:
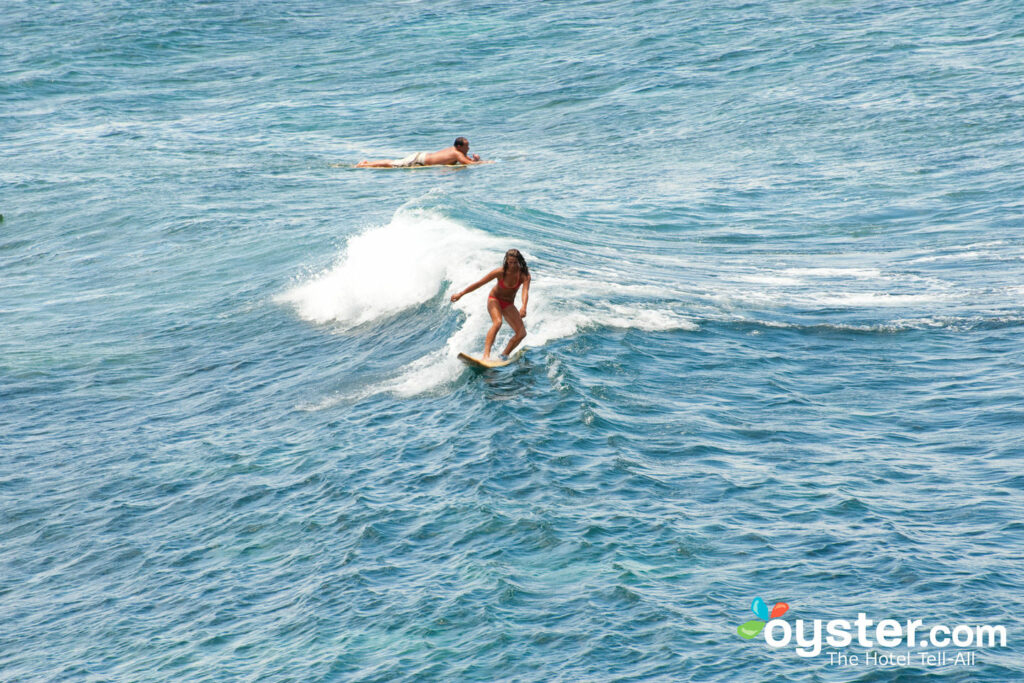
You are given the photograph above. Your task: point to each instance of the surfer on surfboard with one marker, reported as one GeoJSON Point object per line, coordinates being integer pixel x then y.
{"type": "Point", "coordinates": [456, 154]}
{"type": "Point", "coordinates": [501, 300]}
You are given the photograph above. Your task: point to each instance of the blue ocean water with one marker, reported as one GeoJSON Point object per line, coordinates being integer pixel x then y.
{"type": "Point", "coordinates": [776, 337]}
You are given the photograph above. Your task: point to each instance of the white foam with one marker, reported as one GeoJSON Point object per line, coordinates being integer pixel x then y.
{"type": "Point", "coordinates": [872, 299]}
{"type": "Point", "coordinates": [964, 257]}
{"type": "Point", "coordinates": [856, 273]}
{"type": "Point", "coordinates": [648, 319]}
{"type": "Point", "coordinates": [968, 252]}
{"type": "Point", "coordinates": [389, 269]}
{"type": "Point", "coordinates": [766, 279]}
{"type": "Point", "coordinates": [810, 300]}
{"type": "Point", "coordinates": [812, 288]}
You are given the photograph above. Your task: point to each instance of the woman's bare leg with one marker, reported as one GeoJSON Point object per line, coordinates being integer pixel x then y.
{"type": "Point", "coordinates": [516, 322]}
{"type": "Point", "coordinates": [495, 310]}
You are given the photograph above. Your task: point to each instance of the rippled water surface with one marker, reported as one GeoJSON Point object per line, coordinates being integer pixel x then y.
{"type": "Point", "coordinates": [776, 338]}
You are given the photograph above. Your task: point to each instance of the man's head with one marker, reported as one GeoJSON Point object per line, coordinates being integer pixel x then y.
{"type": "Point", "coordinates": [462, 144]}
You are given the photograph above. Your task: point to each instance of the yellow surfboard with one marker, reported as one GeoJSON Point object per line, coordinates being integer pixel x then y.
{"type": "Point", "coordinates": [409, 168]}
{"type": "Point", "coordinates": [478, 362]}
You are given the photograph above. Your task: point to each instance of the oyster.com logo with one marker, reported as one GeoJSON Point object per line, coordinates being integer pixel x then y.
{"type": "Point", "coordinates": [759, 607]}
{"type": "Point", "coordinates": [924, 645]}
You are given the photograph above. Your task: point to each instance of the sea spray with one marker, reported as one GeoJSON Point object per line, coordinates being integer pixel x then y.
{"type": "Point", "coordinates": [391, 268]}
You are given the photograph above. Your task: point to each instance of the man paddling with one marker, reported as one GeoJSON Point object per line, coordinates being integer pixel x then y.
{"type": "Point", "coordinates": [456, 154]}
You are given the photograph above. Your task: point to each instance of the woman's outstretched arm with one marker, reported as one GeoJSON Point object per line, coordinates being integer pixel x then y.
{"type": "Point", "coordinates": [478, 284]}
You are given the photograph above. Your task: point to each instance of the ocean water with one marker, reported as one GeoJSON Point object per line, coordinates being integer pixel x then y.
{"type": "Point", "coordinates": [776, 337]}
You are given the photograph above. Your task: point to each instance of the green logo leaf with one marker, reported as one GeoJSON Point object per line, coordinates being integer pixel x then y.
{"type": "Point", "coordinates": [750, 629]}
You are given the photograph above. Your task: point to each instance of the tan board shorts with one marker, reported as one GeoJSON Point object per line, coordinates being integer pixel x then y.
{"type": "Point", "coordinates": [417, 159]}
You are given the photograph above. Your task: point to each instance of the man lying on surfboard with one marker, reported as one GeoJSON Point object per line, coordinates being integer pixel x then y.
{"type": "Point", "coordinates": [456, 154]}
{"type": "Point", "coordinates": [501, 301]}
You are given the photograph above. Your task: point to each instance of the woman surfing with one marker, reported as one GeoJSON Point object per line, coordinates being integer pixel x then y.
{"type": "Point", "coordinates": [501, 300]}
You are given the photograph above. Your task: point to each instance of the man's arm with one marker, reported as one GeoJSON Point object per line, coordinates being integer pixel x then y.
{"type": "Point", "coordinates": [463, 159]}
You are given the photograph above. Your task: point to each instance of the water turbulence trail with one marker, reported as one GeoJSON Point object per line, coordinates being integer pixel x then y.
{"type": "Point", "coordinates": [394, 268]}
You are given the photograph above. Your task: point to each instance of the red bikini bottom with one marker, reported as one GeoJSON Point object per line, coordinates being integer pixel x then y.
{"type": "Point", "coordinates": [501, 302]}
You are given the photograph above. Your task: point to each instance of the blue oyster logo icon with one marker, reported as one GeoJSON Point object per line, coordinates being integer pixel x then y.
{"type": "Point", "coordinates": [749, 629]}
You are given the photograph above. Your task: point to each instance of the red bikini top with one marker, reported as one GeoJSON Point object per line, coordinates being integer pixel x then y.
{"type": "Point", "coordinates": [501, 281]}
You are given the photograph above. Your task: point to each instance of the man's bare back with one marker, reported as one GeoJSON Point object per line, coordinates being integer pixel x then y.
{"type": "Point", "coordinates": [456, 154]}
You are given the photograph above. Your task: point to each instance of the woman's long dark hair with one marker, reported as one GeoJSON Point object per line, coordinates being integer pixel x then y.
{"type": "Point", "coordinates": [523, 270]}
